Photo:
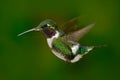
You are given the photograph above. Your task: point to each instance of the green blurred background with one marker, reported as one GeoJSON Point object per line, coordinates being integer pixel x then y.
{"type": "Point", "coordinates": [29, 58]}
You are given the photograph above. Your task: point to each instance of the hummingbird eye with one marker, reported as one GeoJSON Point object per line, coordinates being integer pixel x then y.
{"type": "Point", "coordinates": [44, 26]}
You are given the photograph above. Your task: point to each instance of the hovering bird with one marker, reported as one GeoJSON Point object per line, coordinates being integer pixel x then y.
{"type": "Point", "coordinates": [62, 44]}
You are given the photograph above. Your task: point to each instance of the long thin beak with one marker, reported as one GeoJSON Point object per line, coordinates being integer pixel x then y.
{"type": "Point", "coordinates": [33, 29]}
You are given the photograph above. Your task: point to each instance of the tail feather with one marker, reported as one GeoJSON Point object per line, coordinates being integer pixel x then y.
{"type": "Point", "coordinates": [83, 50]}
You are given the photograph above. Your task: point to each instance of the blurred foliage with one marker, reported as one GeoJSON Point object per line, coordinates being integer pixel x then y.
{"type": "Point", "coordinates": [29, 58]}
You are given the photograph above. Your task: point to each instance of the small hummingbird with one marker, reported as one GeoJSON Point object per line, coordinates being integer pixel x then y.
{"type": "Point", "coordinates": [62, 44]}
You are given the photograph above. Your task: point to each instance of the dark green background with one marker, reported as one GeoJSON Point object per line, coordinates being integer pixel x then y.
{"type": "Point", "coordinates": [29, 58]}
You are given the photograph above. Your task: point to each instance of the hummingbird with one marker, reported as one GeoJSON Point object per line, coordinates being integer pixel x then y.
{"type": "Point", "coordinates": [62, 44]}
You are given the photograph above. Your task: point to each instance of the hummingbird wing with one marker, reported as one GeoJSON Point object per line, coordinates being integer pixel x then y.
{"type": "Point", "coordinates": [71, 25]}
{"type": "Point", "coordinates": [77, 35]}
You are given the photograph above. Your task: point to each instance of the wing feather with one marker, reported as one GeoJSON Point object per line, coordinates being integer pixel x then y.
{"type": "Point", "coordinates": [77, 35]}
{"type": "Point", "coordinates": [71, 25]}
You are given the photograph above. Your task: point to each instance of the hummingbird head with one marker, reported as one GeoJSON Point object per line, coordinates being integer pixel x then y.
{"type": "Point", "coordinates": [48, 27]}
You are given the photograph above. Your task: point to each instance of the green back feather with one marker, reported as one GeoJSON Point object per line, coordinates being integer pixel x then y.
{"type": "Point", "coordinates": [60, 46]}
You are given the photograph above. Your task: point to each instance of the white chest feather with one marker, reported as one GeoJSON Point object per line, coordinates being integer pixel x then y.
{"type": "Point", "coordinates": [50, 40]}
{"type": "Point", "coordinates": [75, 48]}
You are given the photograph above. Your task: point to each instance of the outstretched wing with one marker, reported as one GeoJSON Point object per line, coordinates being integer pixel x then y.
{"type": "Point", "coordinates": [76, 35]}
{"type": "Point", "coordinates": [71, 25]}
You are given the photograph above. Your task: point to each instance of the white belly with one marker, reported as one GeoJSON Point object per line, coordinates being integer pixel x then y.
{"type": "Point", "coordinates": [62, 57]}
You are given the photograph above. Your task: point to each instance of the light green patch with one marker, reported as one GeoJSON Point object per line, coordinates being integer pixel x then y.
{"type": "Point", "coordinates": [59, 45]}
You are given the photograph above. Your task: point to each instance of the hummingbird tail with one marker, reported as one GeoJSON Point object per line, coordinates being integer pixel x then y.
{"type": "Point", "coordinates": [100, 46]}
{"type": "Point", "coordinates": [86, 49]}
{"type": "Point", "coordinates": [33, 29]}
